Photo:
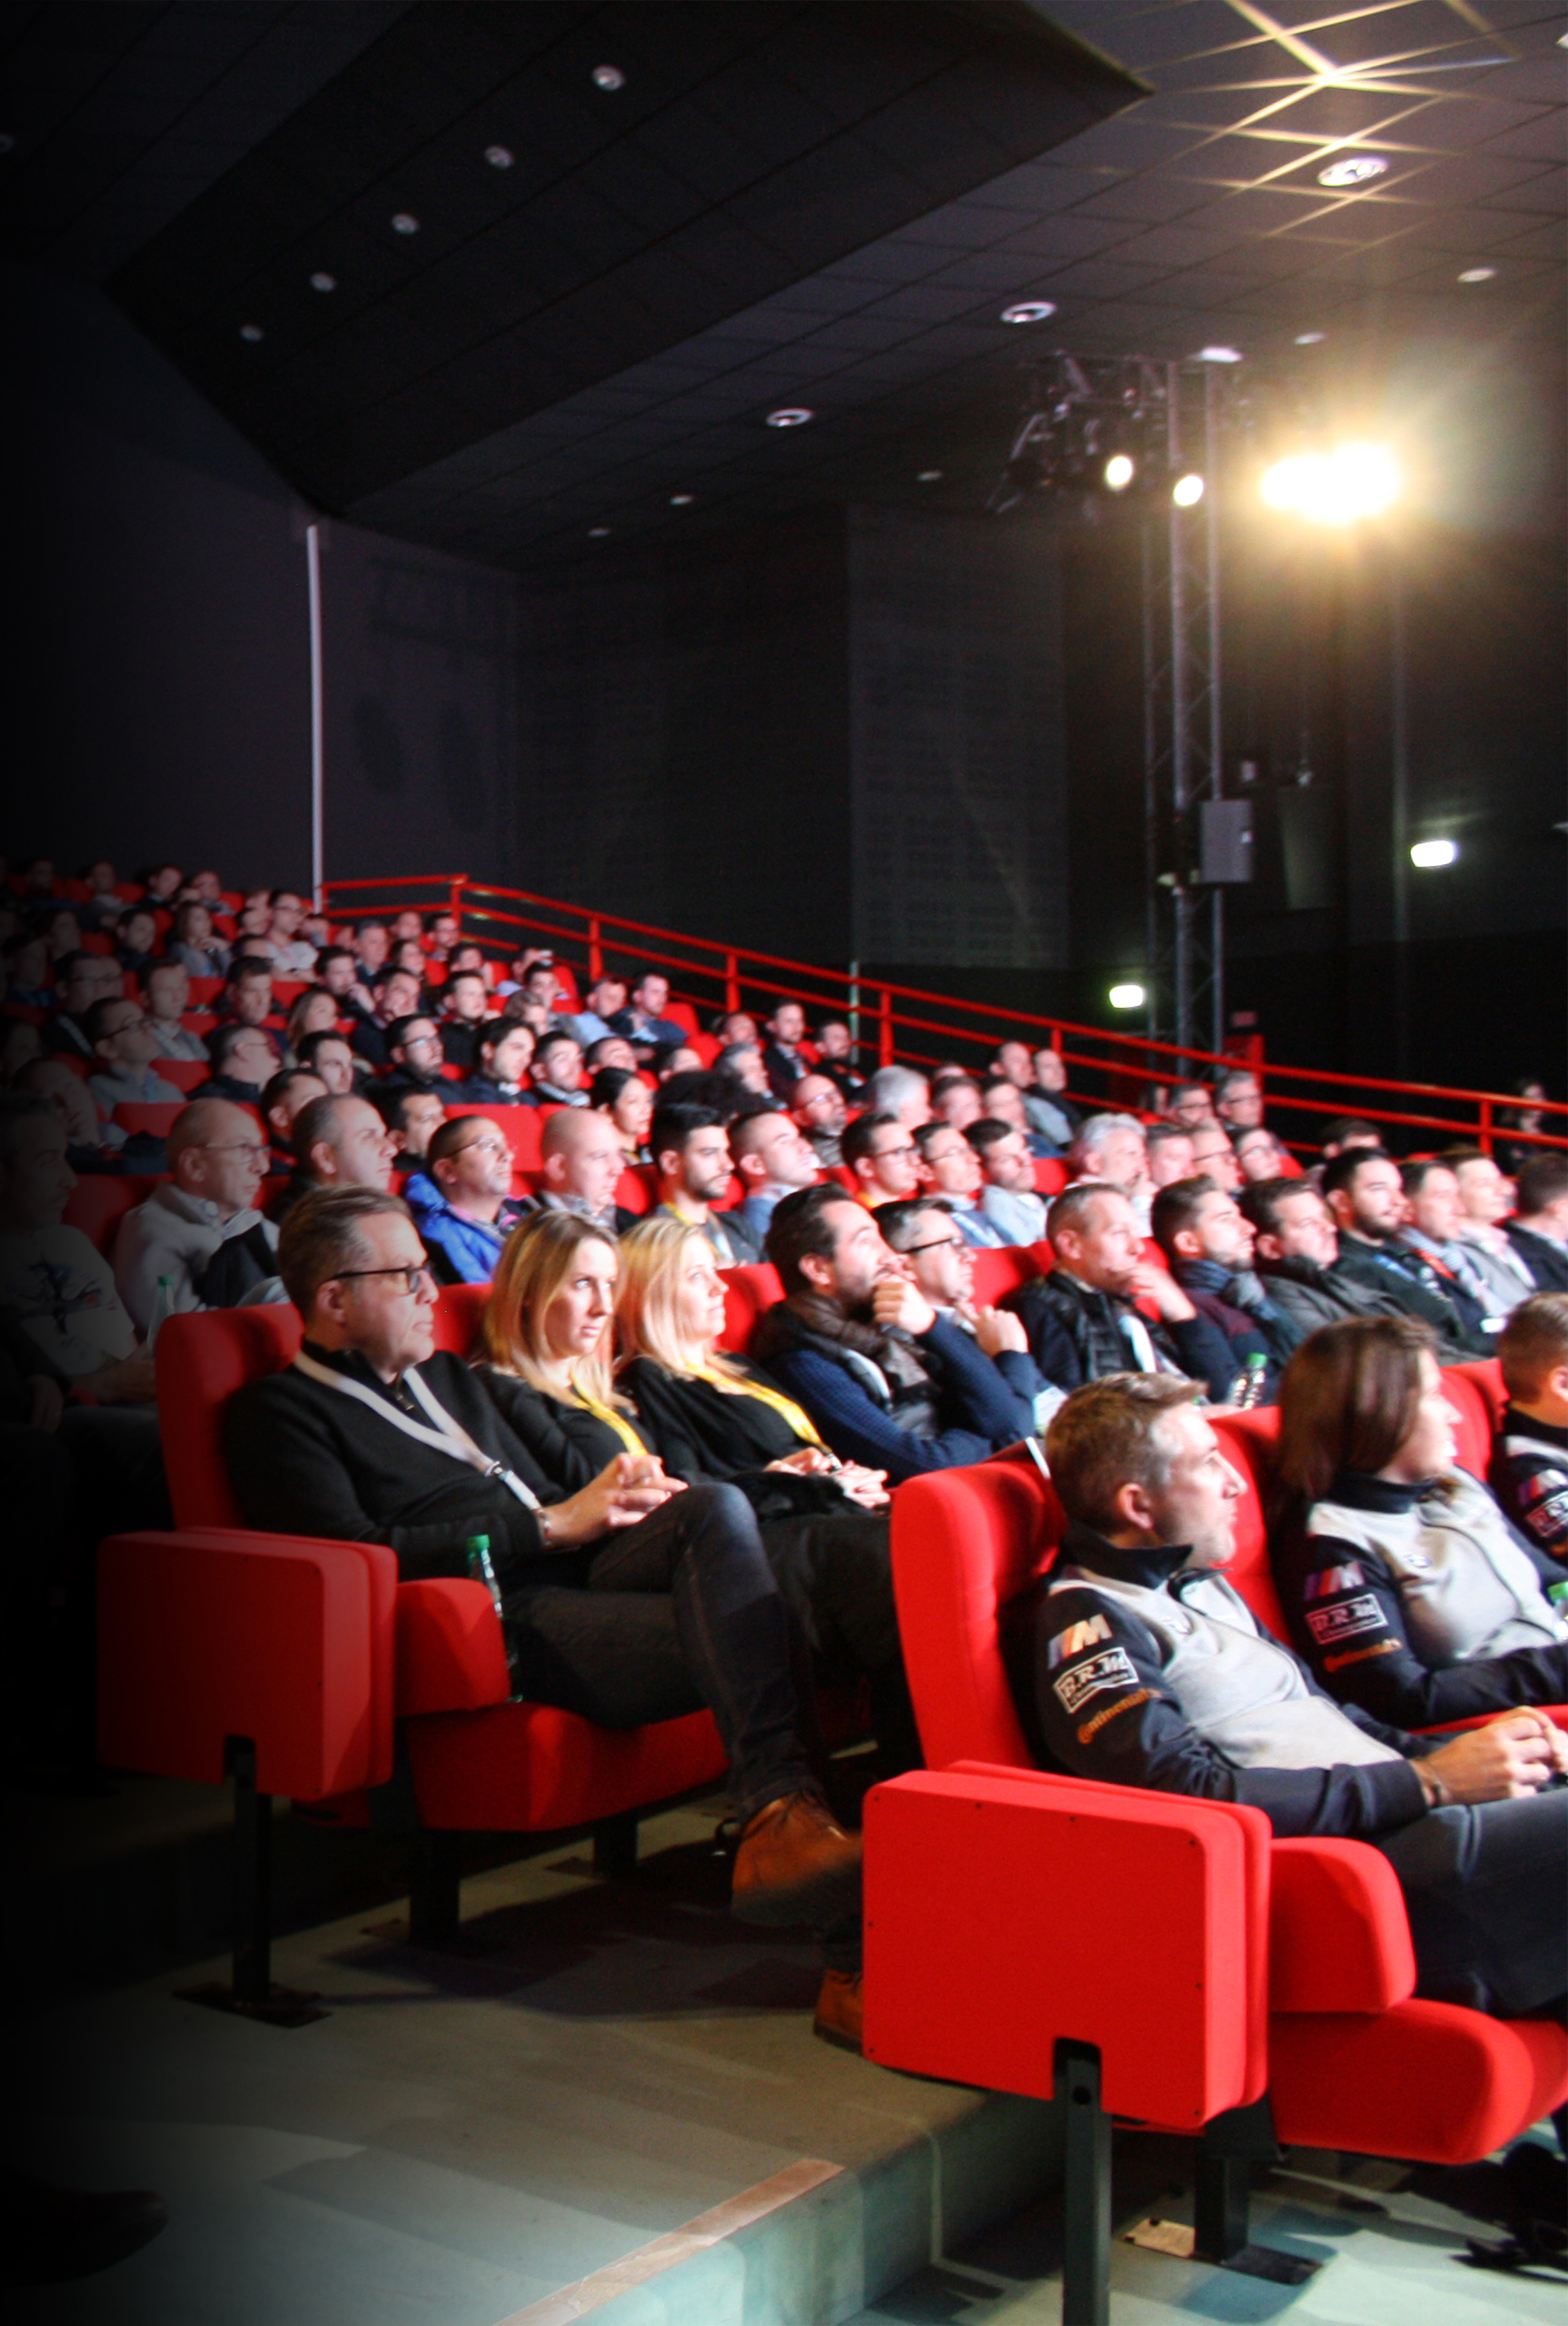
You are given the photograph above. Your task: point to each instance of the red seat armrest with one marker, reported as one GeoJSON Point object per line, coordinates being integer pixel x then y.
{"type": "Point", "coordinates": [1556, 1713]}
{"type": "Point", "coordinates": [451, 1654]}
{"type": "Point", "coordinates": [1339, 1937]}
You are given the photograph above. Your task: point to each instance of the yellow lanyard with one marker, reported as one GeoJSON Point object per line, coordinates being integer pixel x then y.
{"type": "Point", "coordinates": [800, 1421]}
{"type": "Point", "coordinates": [612, 1420]}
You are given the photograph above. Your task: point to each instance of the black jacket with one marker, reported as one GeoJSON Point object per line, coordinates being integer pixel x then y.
{"type": "Point", "coordinates": [1528, 1476]}
{"type": "Point", "coordinates": [1072, 1648]}
{"type": "Point", "coordinates": [305, 1460]}
{"type": "Point", "coordinates": [1076, 1336]}
{"type": "Point", "coordinates": [783, 1071]}
{"type": "Point", "coordinates": [384, 1095]}
{"type": "Point", "coordinates": [570, 1445]}
{"type": "Point", "coordinates": [1307, 1296]}
{"type": "Point", "coordinates": [483, 1092]}
{"type": "Point", "coordinates": [1407, 1277]}
{"type": "Point", "coordinates": [1547, 1262]}
{"type": "Point", "coordinates": [701, 1432]}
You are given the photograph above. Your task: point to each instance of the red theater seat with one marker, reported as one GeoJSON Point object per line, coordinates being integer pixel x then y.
{"type": "Point", "coordinates": [100, 1201]}
{"type": "Point", "coordinates": [634, 1189]}
{"type": "Point", "coordinates": [998, 1272]}
{"type": "Point", "coordinates": [1483, 1376]}
{"type": "Point", "coordinates": [1282, 1969]}
{"type": "Point", "coordinates": [459, 1309]}
{"type": "Point", "coordinates": [747, 1291]}
{"type": "Point", "coordinates": [156, 1117]}
{"type": "Point", "coordinates": [1051, 1175]}
{"type": "Point", "coordinates": [184, 1073]}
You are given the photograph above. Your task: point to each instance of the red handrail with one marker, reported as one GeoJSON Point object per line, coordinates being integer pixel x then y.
{"type": "Point", "coordinates": [1122, 1058]}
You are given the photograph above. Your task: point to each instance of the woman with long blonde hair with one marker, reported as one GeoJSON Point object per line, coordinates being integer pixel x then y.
{"type": "Point", "coordinates": [549, 1337]}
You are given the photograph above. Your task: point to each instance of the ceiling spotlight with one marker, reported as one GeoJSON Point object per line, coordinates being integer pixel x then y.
{"type": "Point", "coordinates": [252, 331]}
{"type": "Point", "coordinates": [1478, 274]}
{"type": "Point", "coordinates": [598, 533]}
{"type": "Point", "coordinates": [499, 157]}
{"type": "Point", "coordinates": [1119, 471]}
{"type": "Point", "coordinates": [681, 500]}
{"type": "Point", "coordinates": [1127, 997]}
{"type": "Point", "coordinates": [929, 476]}
{"type": "Point", "coordinates": [1029, 311]}
{"type": "Point", "coordinates": [323, 282]}
{"type": "Point", "coordinates": [1334, 488]}
{"type": "Point", "coordinates": [1219, 355]}
{"type": "Point", "coordinates": [1427, 855]}
{"type": "Point", "coordinates": [404, 223]}
{"type": "Point", "coordinates": [790, 416]}
{"type": "Point", "coordinates": [609, 76]}
{"type": "Point", "coordinates": [1352, 169]}
{"type": "Point", "coordinates": [1310, 338]}
{"type": "Point", "coordinates": [1187, 491]}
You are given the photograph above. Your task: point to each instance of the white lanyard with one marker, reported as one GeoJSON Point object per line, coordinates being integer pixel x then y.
{"type": "Point", "coordinates": [448, 1437]}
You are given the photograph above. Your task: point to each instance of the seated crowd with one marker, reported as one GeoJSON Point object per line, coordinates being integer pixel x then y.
{"type": "Point", "coordinates": [675, 1522]}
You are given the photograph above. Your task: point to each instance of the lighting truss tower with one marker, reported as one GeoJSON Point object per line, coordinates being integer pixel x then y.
{"type": "Point", "coordinates": [1182, 765]}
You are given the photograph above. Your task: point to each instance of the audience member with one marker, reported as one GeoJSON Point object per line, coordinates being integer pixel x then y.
{"type": "Point", "coordinates": [1189, 1104]}
{"type": "Point", "coordinates": [163, 885]}
{"type": "Point", "coordinates": [136, 939]}
{"type": "Point", "coordinates": [881, 1156]}
{"type": "Point", "coordinates": [1008, 1200]}
{"type": "Point", "coordinates": [1515, 1154]}
{"type": "Point", "coordinates": [80, 980]}
{"type": "Point", "coordinates": [611, 1049]}
{"type": "Point", "coordinates": [854, 1340]}
{"type": "Point", "coordinates": [620, 1093]}
{"type": "Point", "coordinates": [626, 1602]}
{"type": "Point", "coordinates": [199, 1238]}
{"type": "Point", "coordinates": [314, 1011]}
{"type": "Point", "coordinates": [1485, 1200]}
{"type": "Point", "coordinates": [956, 1100]}
{"type": "Point", "coordinates": [836, 1058]}
{"type": "Point", "coordinates": [505, 1055]}
{"type": "Point", "coordinates": [414, 1119]}
{"type": "Point", "coordinates": [1347, 1130]}
{"type": "Point", "coordinates": [242, 1062]}
{"type": "Point", "coordinates": [1405, 1588]}
{"type": "Point", "coordinates": [441, 933]}
{"type": "Point", "coordinates": [372, 947]}
{"type": "Point", "coordinates": [606, 1002]}
{"type": "Point", "coordinates": [1083, 1321]}
{"type": "Point", "coordinates": [782, 1063]}
{"type": "Point", "coordinates": [29, 973]}
{"type": "Point", "coordinates": [557, 1071]}
{"type": "Point", "coordinates": [294, 954]}
{"type": "Point", "coordinates": [923, 1234]}
{"type": "Point", "coordinates": [736, 1026]}
{"type": "Point", "coordinates": [1169, 1151]}
{"type": "Point", "coordinates": [330, 1056]}
{"type": "Point", "coordinates": [1296, 1254]}
{"type": "Point", "coordinates": [643, 1022]}
{"type": "Point", "coordinates": [338, 973]}
{"type": "Point", "coordinates": [1213, 1156]}
{"type": "Point", "coordinates": [167, 988]}
{"type": "Point", "coordinates": [125, 1045]}
{"type": "Point", "coordinates": [465, 1003]}
{"type": "Point", "coordinates": [771, 1160]}
{"type": "Point", "coordinates": [1208, 1242]}
{"type": "Point", "coordinates": [1139, 1663]}
{"type": "Point", "coordinates": [1529, 1468]}
{"type": "Point", "coordinates": [1435, 1218]}
{"type": "Point", "coordinates": [690, 1150]}
{"type": "Point", "coordinates": [93, 1144]}
{"type": "Point", "coordinates": [1361, 1187]}
{"type": "Point", "coordinates": [248, 1001]}
{"type": "Point", "coordinates": [898, 1091]}
{"type": "Point", "coordinates": [283, 1099]}
{"type": "Point", "coordinates": [742, 1062]}
{"type": "Point", "coordinates": [19, 1046]}
{"type": "Point", "coordinates": [103, 902]}
{"type": "Point", "coordinates": [53, 1281]}
{"type": "Point", "coordinates": [62, 933]}
{"type": "Point", "coordinates": [1539, 1229]}
{"type": "Point", "coordinates": [397, 997]}
{"type": "Point", "coordinates": [682, 1059]}
{"type": "Point", "coordinates": [1259, 1156]}
{"type": "Point", "coordinates": [952, 1169]}
{"type": "Point", "coordinates": [819, 1110]}
{"type": "Point", "coordinates": [461, 1199]}
{"type": "Point", "coordinates": [1238, 1100]}
{"type": "Point", "coordinates": [413, 1063]}
{"type": "Point", "coordinates": [1048, 1109]}
{"type": "Point", "coordinates": [339, 1143]}
{"type": "Point", "coordinates": [580, 1160]}
{"type": "Point", "coordinates": [1110, 1151]}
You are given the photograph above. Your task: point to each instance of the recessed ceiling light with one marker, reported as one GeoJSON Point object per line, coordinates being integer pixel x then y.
{"type": "Point", "coordinates": [252, 331]}
{"type": "Point", "coordinates": [681, 500]}
{"type": "Point", "coordinates": [1352, 169]}
{"type": "Point", "coordinates": [598, 533]}
{"type": "Point", "coordinates": [609, 76]}
{"type": "Point", "coordinates": [404, 223]}
{"type": "Point", "coordinates": [790, 416]}
{"type": "Point", "coordinates": [1219, 355]}
{"type": "Point", "coordinates": [1563, 40]}
{"type": "Point", "coordinates": [1310, 338]}
{"type": "Point", "coordinates": [1478, 274]}
{"type": "Point", "coordinates": [1187, 491]}
{"type": "Point", "coordinates": [323, 282]}
{"type": "Point", "coordinates": [1029, 311]}
{"type": "Point", "coordinates": [499, 157]}
{"type": "Point", "coordinates": [929, 476]}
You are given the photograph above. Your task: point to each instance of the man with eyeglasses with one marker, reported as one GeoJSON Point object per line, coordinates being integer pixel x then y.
{"type": "Point", "coordinates": [821, 1112]}
{"type": "Point", "coordinates": [125, 1046]}
{"type": "Point", "coordinates": [462, 1201]}
{"type": "Point", "coordinates": [941, 1259]}
{"type": "Point", "coordinates": [201, 1229]}
{"type": "Point", "coordinates": [414, 1049]}
{"type": "Point", "coordinates": [880, 1152]}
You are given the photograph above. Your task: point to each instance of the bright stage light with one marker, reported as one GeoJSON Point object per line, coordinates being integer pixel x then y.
{"type": "Point", "coordinates": [1127, 997]}
{"type": "Point", "coordinates": [1334, 488]}
{"type": "Point", "coordinates": [1352, 169]}
{"type": "Point", "coordinates": [1118, 472]}
{"type": "Point", "coordinates": [1427, 855]}
{"type": "Point", "coordinates": [1188, 491]}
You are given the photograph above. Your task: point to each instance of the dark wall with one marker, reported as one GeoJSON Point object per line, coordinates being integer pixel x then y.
{"type": "Point", "coordinates": [159, 679]}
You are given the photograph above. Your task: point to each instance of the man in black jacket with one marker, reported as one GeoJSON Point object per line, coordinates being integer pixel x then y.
{"type": "Point", "coordinates": [1365, 1195]}
{"type": "Point", "coordinates": [1529, 1472]}
{"type": "Point", "coordinates": [1136, 1663]}
{"type": "Point", "coordinates": [1295, 1253]}
{"type": "Point", "coordinates": [1208, 1242]}
{"type": "Point", "coordinates": [626, 1602]}
{"type": "Point", "coordinates": [1539, 1229]}
{"type": "Point", "coordinates": [1081, 1318]}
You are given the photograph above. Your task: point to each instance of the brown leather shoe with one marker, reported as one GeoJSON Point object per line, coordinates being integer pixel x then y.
{"type": "Point", "coordinates": [795, 1865]}
{"type": "Point", "coordinates": [839, 2016]}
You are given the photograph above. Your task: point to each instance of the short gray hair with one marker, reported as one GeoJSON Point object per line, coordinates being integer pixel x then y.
{"type": "Point", "coordinates": [321, 1237]}
{"type": "Point", "coordinates": [892, 1087]}
{"type": "Point", "coordinates": [1090, 1137]}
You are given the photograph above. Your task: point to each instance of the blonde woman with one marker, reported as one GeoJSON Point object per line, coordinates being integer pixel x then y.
{"type": "Point", "coordinates": [548, 1336]}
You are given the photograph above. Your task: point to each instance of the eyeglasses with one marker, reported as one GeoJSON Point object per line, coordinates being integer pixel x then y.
{"type": "Point", "coordinates": [411, 1278]}
{"type": "Point", "coordinates": [936, 1244]}
{"type": "Point", "coordinates": [881, 1154]}
{"type": "Point", "coordinates": [485, 1147]}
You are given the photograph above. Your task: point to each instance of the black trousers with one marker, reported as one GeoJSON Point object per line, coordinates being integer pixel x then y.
{"type": "Point", "coordinates": [680, 1610]}
{"type": "Point", "coordinates": [1487, 1894]}
{"type": "Point", "coordinates": [836, 1570]}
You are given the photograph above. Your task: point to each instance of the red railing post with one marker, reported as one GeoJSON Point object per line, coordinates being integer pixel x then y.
{"type": "Point", "coordinates": [1483, 1130]}
{"type": "Point", "coordinates": [454, 902]}
{"type": "Point", "coordinates": [731, 983]}
{"type": "Point", "coordinates": [885, 1029]}
{"type": "Point", "coordinates": [595, 951]}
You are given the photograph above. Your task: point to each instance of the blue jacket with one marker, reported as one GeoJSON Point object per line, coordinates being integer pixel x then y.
{"type": "Point", "coordinates": [462, 1251]}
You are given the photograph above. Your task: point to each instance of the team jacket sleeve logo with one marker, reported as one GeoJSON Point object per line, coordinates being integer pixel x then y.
{"type": "Point", "coordinates": [1112, 1668]}
{"type": "Point", "coordinates": [1329, 1626]}
{"type": "Point", "coordinates": [1076, 1639]}
{"type": "Point", "coordinates": [1330, 1580]}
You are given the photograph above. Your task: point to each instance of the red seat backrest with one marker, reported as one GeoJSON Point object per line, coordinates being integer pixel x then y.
{"type": "Point", "coordinates": [154, 1116]}
{"type": "Point", "coordinates": [201, 1360]}
{"type": "Point", "coordinates": [682, 1013]}
{"type": "Point", "coordinates": [998, 1272]}
{"type": "Point", "coordinates": [519, 1126]}
{"type": "Point", "coordinates": [1051, 1175]}
{"type": "Point", "coordinates": [707, 1046]}
{"type": "Point", "coordinates": [965, 1542]}
{"type": "Point", "coordinates": [184, 1073]}
{"type": "Point", "coordinates": [634, 1189]}
{"type": "Point", "coordinates": [1249, 1441]}
{"type": "Point", "coordinates": [1484, 1374]}
{"type": "Point", "coordinates": [204, 989]}
{"type": "Point", "coordinates": [747, 1291]}
{"type": "Point", "coordinates": [458, 1310]}
{"type": "Point", "coordinates": [100, 1201]}
{"type": "Point", "coordinates": [1471, 1411]}
{"type": "Point", "coordinates": [74, 1060]}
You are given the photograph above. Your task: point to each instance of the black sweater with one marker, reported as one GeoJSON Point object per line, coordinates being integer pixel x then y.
{"type": "Point", "coordinates": [702, 1432]}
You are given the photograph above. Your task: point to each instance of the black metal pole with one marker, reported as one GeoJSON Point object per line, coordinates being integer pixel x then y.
{"type": "Point", "coordinates": [615, 1845]}
{"type": "Point", "coordinates": [435, 1889]}
{"type": "Point", "coordinates": [1086, 2190]}
{"type": "Point", "coordinates": [252, 1878]}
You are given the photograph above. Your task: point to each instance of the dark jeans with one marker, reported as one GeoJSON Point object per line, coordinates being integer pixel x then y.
{"type": "Point", "coordinates": [1487, 1894]}
{"type": "Point", "coordinates": [836, 1570]}
{"type": "Point", "coordinates": [680, 1610]}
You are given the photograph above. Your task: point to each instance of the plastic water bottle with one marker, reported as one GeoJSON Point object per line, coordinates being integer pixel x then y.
{"type": "Point", "coordinates": [1246, 1389]}
{"type": "Point", "coordinates": [481, 1569]}
{"type": "Point", "coordinates": [162, 1306]}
